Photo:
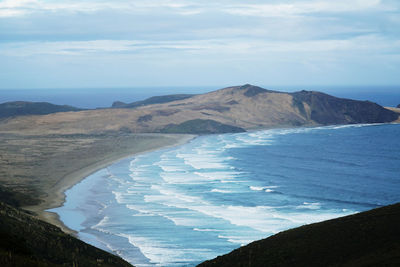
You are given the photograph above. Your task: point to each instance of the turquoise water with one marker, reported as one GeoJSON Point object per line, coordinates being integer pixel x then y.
{"type": "Point", "coordinates": [183, 205]}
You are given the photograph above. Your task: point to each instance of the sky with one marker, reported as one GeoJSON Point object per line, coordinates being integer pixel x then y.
{"type": "Point", "coordinates": [96, 43]}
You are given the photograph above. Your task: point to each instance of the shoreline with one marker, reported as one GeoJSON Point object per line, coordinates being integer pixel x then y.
{"type": "Point", "coordinates": [56, 198]}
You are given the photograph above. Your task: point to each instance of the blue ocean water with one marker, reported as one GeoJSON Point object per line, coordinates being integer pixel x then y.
{"type": "Point", "coordinates": [183, 205]}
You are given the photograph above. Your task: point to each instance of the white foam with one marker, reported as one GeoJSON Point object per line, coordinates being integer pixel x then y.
{"type": "Point", "coordinates": [257, 188]}
{"type": "Point", "coordinates": [181, 220]}
{"type": "Point", "coordinates": [102, 223]}
{"type": "Point", "coordinates": [220, 191]}
{"type": "Point", "coordinates": [261, 218]}
{"type": "Point", "coordinates": [171, 196]}
{"type": "Point", "coordinates": [118, 196]}
{"type": "Point", "coordinates": [309, 205]}
{"type": "Point", "coordinates": [263, 188]}
{"type": "Point", "coordinates": [205, 230]}
{"type": "Point", "coordinates": [335, 127]}
{"type": "Point", "coordinates": [222, 176]}
{"type": "Point", "coordinates": [184, 178]}
{"type": "Point", "coordinates": [163, 254]}
{"type": "Point", "coordinates": [140, 210]}
{"type": "Point", "coordinates": [237, 239]}
{"type": "Point", "coordinates": [200, 161]}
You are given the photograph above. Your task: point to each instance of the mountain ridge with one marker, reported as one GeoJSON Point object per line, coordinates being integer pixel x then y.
{"type": "Point", "coordinates": [246, 107]}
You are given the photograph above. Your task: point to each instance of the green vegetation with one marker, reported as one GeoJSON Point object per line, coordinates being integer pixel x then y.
{"type": "Point", "coordinates": [369, 238]}
{"type": "Point", "coordinates": [16, 198]}
{"type": "Point", "coordinates": [18, 108]}
{"type": "Point", "coordinates": [199, 126]}
{"type": "Point", "coordinates": [26, 241]}
{"type": "Point", "coordinates": [152, 100]}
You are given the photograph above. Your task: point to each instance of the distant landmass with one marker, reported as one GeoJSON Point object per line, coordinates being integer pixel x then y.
{"type": "Point", "coordinates": [27, 241]}
{"type": "Point", "coordinates": [19, 108]}
{"type": "Point", "coordinates": [244, 107]}
{"type": "Point", "coordinates": [369, 238]}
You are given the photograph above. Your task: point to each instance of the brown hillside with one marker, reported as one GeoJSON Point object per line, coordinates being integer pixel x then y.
{"type": "Point", "coordinates": [247, 107]}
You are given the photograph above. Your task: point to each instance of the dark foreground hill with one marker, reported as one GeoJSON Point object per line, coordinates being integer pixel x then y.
{"type": "Point", "coordinates": [26, 241]}
{"type": "Point", "coordinates": [19, 108]}
{"type": "Point", "coordinates": [369, 238]}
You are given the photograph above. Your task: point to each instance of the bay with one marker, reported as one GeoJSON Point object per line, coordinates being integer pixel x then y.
{"type": "Point", "coordinates": [183, 205]}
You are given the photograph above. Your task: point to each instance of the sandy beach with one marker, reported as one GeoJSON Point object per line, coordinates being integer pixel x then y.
{"type": "Point", "coordinates": [55, 195]}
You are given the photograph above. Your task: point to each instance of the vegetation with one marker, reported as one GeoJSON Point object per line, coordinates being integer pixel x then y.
{"type": "Point", "coordinates": [151, 100]}
{"type": "Point", "coordinates": [201, 127]}
{"type": "Point", "coordinates": [18, 108]}
{"type": "Point", "coordinates": [366, 239]}
{"type": "Point", "coordinates": [326, 109]}
{"type": "Point", "coordinates": [26, 241]}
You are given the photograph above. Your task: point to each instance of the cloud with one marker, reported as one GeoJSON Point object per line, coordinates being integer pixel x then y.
{"type": "Point", "coordinates": [232, 47]}
{"type": "Point", "coordinates": [306, 8]}
{"type": "Point", "coordinates": [10, 8]}
{"type": "Point", "coordinates": [276, 9]}
{"type": "Point", "coordinates": [228, 37]}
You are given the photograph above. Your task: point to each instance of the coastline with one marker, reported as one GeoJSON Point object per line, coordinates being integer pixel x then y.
{"type": "Point", "coordinates": [56, 197]}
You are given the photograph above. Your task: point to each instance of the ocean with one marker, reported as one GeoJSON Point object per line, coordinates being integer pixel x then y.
{"type": "Point", "coordinates": [183, 205]}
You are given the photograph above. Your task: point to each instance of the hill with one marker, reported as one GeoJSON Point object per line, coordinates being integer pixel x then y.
{"type": "Point", "coordinates": [246, 107]}
{"type": "Point", "coordinates": [366, 239]}
{"type": "Point", "coordinates": [26, 241]}
{"type": "Point", "coordinates": [19, 108]}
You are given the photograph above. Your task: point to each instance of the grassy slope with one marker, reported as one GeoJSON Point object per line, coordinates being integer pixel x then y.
{"type": "Point", "coordinates": [26, 241]}
{"type": "Point", "coordinates": [370, 238]}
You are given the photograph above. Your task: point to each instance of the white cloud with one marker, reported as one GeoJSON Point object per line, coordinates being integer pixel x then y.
{"type": "Point", "coordinates": [305, 7]}
{"type": "Point", "coordinates": [282, 9]}
{"type": "Point", "coordinates": [221, 36]}
{"type": "Point", "coordinates": [24, 7]}
{"type": "Point", "coordinates": [233, 47]}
